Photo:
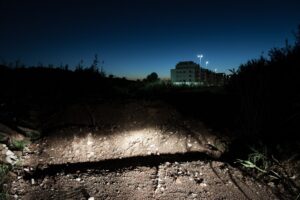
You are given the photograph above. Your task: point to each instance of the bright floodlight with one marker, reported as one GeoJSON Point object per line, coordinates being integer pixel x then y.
{"type": "Point", "coordinates": [206, 63]}
{"type": "Point", "coordinates": [200, 56]}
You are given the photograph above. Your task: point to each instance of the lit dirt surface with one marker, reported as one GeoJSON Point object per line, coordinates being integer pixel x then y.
{"type": "Point", "coordinates": [81, 133]}
{"type": "Point", "coordinates": [125, 151]}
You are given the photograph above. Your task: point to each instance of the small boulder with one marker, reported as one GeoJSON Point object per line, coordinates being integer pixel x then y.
{"type": "Point", "coordinates": [7, 156]}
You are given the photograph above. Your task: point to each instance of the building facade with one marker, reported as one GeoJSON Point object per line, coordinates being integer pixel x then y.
{"type": "Point", "coordinates": [186, 72]}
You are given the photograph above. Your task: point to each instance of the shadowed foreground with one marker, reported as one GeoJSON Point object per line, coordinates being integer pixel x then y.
{"type": "Point", "coordinates": [129, 150]}
{"type": "Point", "coordinates": [142, 178]}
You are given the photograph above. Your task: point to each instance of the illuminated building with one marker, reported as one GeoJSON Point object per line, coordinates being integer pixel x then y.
{"type": "Point", "coordinates": [186, 72]}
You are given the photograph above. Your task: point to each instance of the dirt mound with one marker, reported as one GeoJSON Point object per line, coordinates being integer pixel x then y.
{"type": "Point", "coordinates": [113, 130]}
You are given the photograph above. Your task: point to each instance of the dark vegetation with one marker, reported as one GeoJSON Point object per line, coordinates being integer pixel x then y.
{"type": "Point", "coordinates": [259, 105]}
{"type": "Point", "coordinates": [268, 95]}
{"type": "Point", "coordinates": [268, 115]}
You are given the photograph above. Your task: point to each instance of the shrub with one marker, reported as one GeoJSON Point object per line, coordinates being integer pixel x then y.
{"type": "Point", "coordinates": [256, 160]}
{"type": "Point", "coordinates": [4, 169]}
{"type": "Point", "coordinates": [267, 93]}
{"type": "Point", "coordinates": [18, 144]}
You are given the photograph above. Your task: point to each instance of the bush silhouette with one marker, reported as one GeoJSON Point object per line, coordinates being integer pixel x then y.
{"type": "Point", "coordinates": [152, 77]}
{"type": "Point", "coordinates": [268, 92]}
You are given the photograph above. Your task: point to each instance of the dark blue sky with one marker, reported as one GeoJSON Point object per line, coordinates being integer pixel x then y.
{"type": "Point", "coordinates": [137, 37]}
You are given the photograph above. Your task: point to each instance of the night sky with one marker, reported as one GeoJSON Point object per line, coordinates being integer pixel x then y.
{"type": "Point", "coordinates": [137, 37]}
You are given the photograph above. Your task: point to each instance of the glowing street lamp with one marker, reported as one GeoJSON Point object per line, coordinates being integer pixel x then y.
{"type": "Point", "coordinates": [200, 56]}
{"type": "Point", "coordinates": [206, 63]}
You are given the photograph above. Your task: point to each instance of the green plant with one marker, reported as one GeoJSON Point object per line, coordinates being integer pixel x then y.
{"type": "Point", "coordinates": [18, 144]}
{"type": "Point", "coordinates": [260, 161]}
{"type": "Point", "coordinates": [256, 160]}
{"type": "Point", "coordinates": [3, 137]}
{"type": "Point", "coordinates": [3, 196]}
{"type": "Point", "coordinates": [33, 135]}
{"type": "Point", "coordinates": [249, 164]}
{"type": "Point", "coordinates": [3, 171]}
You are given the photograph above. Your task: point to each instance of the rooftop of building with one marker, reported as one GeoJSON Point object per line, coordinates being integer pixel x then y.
{"type": "Point", "coordinates": [186, 65]}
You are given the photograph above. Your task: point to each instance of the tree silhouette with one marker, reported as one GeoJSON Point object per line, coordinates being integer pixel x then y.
{"type": "Point", "coordinates": [297, 37]}
{"type": "Point", "coordinates": [79, 67]}
{"type": "Point", "coordinates": [152, 77]}
{"type": "Point", "coordinates": [94, 66]}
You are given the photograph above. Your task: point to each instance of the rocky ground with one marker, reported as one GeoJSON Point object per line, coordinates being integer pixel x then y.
{"type": "Point", "coordinates": [128, 150]}
{"type": "Point", "coordinates": [166, 180]}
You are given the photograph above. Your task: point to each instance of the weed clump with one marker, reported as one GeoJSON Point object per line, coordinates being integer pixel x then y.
{"type": "Point", "coordinates": [4, 169]}
{"type": "Point", "coordinates": [18, 145]}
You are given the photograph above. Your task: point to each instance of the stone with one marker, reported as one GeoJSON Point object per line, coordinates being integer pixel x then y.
{"type": "Point", "coordinates": [26, 169]}
{"type": "Point", "coordinates": [11, 160]}
{"type": "Point", "coordinates": [18, 153]}
{"type": "Point", "coordinates": [12, 174]}
{"type": "Point", "coordinates": [3, 147]}
{"type": "Point", "coordinates": [194, 195]}
{"type": "Point", "coordinates": [9, 153]}
{"type": "Point", "coordinates": [178, 181]}
{"type": "Point", "coordinates": [203, 184]}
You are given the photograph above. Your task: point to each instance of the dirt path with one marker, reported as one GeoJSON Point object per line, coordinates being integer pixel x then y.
{"type": "Point", "coordinates": [141, 179]}
{"type": "Point", "coordinates": [134, 150]}
{"type": "Point", "coordinates": [116, 131]}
